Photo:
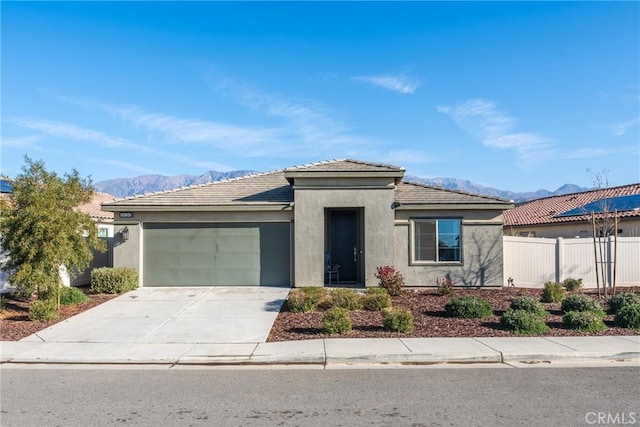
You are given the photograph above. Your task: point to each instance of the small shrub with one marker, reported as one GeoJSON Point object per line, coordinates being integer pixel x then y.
{"type": "Point", "coordinates": [572, 284]}
{"type": "Point", "coordinates": [301, 300]}
{"type": "Point", "coordinates": [390, 279]}
{"type": "Point", "coordinates": [346, 298]}
{"type": "Point", "coordinates": [325, 303]}
{"type": "Point", "coordinates": [72, 295]}
{"type": "Point", "coordinates": [468, 307]}
{"type": "Point", "coordinates": [586, 321]}
{"type": "Point", "coordinates": [397, 319]}
{"type": "Point", "coordinates": [581, 302]}
{"type": "Point", "coordinates": [117, 280]}
{"type": "Point", "coordinates": [336, 321]}
{"type": "Point", "coordinates": [375, 299]}
{"type": "Point", "coordinates": [528, 304]}
{"type": "Point", "coordinates": [43, 310]}
{"type": "Point", "coordinates": [445, 286]}
{"type": "Point", "coordinates": [523, 322]}
{"type": "Point", "coordinates": [628, 316]}
{"type": "Point", "coordinates": [552, 292]}
{"type": "Point", "coordinates": [616, 302]}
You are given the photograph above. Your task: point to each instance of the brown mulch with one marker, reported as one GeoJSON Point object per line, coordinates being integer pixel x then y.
{"type": "Point", "coordinates": [14, 319]}
{"type": "Point", "coordinates": [429, 320]}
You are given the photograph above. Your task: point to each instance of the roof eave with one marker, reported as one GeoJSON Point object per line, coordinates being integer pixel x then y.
{"type": "Point", "coordinates": [198, 208]}
{"type": "Point", "coordinates": [453, 206]}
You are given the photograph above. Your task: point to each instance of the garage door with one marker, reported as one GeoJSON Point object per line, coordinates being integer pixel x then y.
{"type": "Point", "coordinates": [238, 254]}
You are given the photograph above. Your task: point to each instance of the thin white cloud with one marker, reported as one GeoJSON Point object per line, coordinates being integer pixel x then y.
{"type": "Point", "coordinates": [619, 129]}
{"type": "Point", "coordinates": [20, 141]}
{"type": "Point", "coordinates": [483, 120]}
{"type": "Point", "coordinates": [397, 83]}
{"type": "Point", "coordinates": [130, 166]}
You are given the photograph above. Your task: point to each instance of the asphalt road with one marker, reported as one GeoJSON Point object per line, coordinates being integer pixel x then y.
{"type": "Point", "coordinates": [392, 397]}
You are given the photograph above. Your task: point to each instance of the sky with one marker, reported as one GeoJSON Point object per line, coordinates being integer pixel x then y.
{"type": "Point", "coordinates": [514, 95]}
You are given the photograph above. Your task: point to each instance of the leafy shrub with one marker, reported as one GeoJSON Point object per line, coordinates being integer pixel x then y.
{"type": "Point", "coordinates": [2, 303]}
{"type": "Point", "coordinates": [616, 302]}
{"type": "Point", "coordinates": [72, 295]}
{"type": "Point", "coordinates": [628, 316]}
{"type": "Point", "coordinates": [390, 279]}
{"type": "Point", "coordinates": [117, 280]}
{"type": "Point", "coordinates": [336, 321]}
{"type": "Point", "coordinates": [468, 307]}
{"type": "Point", "coordinates": [325, 303]}
{"type": "Point", "coordinates": [581, 302]}
{"type": "Point", "coordinates": [587, 321]}
{"type": "Point", "coordinates": [445, 286]}
{"type": "Point", "coordinates": [375, 299]}
{"type": "Point", "coordinates": [397, 319]}
{"type": "Point", "coordinates": [552, 292]}
{"type": "Point", "coordinates": [572, 284]}
{"type": "Point", "coordinates": [301, 300]}
{"type": "Point", "coordinates": [528, 304]}
{"type": "Point", "coordinates": [346, 298]}
{"type": "Point", "coordinates": [523, 322]}
{"type": "Point", "coordinates": [43, 310]}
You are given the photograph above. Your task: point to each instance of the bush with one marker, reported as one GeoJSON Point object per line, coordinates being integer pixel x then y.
{"type": "Point", "coordinates": [628, 316]}
{"type": "Point", "coordinates": [552, 292]}
{"type": "Point", "coordinates": [397, 319]}
{"type": "Point", "coordinates": [325, 303]}
{"type": "Point", "coordinates": [390, 279]}
{"type": "Point", "coordinates": [445, 286]}
{"type": "Point", "coordinates": [587, 321]}
{"type": "Point", "coordinates": [523, 322]}
{"type": "Point", "coordinates": [117, 280]}
{"type": "Point", "coordinates": [616, 302]}
{"type": "Point", "coordinates": [468, 307]}
{"type": "Point", "coordinates": [43, 310]}
{"type": "Point", "coordinates": [375, 299]}
{"type": "Point", "coordinates": [336, 321]}
{"type": "Point", "coordinates": [346, 298]}
{"type": "Point", "coordinates": [581, 302]}
{"type": "Point", "coordinates": [572, 284]}
{"type": "Point", "coordinates": [528, 304]}
{"type": "Point", "coordinates": [301, 300]}
{"type": "Point", "coordinates": [72, 295]}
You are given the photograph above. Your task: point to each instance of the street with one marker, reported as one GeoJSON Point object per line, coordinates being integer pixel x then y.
{"type": "Point", "coordinates": [301, 397]}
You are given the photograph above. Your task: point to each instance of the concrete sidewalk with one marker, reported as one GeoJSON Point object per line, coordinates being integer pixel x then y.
{"type": "Point", "coordinates": [335, 351]}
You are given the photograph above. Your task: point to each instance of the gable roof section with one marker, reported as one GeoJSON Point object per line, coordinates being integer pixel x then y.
{"type": "Point", "coordinates": [548, 210]}
{"type": "Point", "coordinates": [94, 207]}
{"type": "Point", "coordinates": [413, 194]}
{"type": "Point", "coordinates": [345, 165]}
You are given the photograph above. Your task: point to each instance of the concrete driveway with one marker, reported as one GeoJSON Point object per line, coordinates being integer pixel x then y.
{"type": "Point", "coordinates": [174, 315]}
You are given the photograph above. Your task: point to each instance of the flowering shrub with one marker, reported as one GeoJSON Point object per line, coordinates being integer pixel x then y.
{"type": "Point", "coordinates": [390, 279]}
{"type": "Point", "coordinates": [445, 286]}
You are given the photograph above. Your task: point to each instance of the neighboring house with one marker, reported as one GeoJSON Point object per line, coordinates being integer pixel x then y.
{"type": "Point", "coordinates": [569, 215]}
{"type": "Point", "coordinates": [284, 227]}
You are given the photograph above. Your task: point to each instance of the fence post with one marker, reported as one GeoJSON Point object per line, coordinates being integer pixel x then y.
{"type": "Point", "coordinates": [559, 259]}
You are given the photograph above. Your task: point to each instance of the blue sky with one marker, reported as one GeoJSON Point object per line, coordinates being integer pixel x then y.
{"type": "Point", "coordinates": [514, 95]}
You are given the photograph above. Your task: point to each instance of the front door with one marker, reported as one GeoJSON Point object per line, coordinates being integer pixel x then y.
{"type": "Point", "coordinates": [344, 243]}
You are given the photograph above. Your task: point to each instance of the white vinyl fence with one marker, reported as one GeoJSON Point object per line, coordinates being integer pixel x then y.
{"type": "Point", "coordinates": [532, 261]}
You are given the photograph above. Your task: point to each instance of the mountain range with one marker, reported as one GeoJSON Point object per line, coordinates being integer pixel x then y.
{"type": "Point", "coordinates": [123, 187]}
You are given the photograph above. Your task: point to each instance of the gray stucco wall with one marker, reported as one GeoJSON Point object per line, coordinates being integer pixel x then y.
{"type": "Point", "coordinates": [482, 261]}
{"type": "Point", "coordinates": [309, 228]}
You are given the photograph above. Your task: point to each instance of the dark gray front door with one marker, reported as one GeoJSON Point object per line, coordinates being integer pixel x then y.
{"type": "Point", "coordinates": [344, 241]}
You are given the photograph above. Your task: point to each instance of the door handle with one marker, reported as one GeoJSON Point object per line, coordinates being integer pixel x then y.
{"type": "Point", "coordinates": [355, 254]}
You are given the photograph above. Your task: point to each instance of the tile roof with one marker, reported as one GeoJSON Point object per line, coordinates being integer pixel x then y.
{"type": "Point", "coordinates": [411, 193]}
{"type": "Point", "coordinates": [545, 210]}
{"type": "Point", "coordinates": [345, 165]}
{"type": "Point", "coordinates": [94, 207]}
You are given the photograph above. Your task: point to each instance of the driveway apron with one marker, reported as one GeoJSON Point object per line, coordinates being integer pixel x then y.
{"type": "Point", "coordinates": [208, 315]}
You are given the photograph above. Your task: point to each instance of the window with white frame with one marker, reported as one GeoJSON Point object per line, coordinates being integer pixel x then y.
{"type": "Point", "coordinates": [436, 240]}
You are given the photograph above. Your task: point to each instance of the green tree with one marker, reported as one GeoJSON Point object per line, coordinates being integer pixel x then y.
{"type": "Point", "coordinates": [41, 229]}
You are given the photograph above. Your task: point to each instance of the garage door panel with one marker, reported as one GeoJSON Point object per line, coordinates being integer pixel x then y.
{"type": "Point", "coordinates": [216, 254]}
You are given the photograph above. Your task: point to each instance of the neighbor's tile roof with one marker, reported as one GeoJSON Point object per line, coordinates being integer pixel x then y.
{"type": "Point", "coordinates": [410, 193]}
{"type": "Point", "coordinates": [94, 207]}
{"type": "Point", "coordinates": [544, 211]}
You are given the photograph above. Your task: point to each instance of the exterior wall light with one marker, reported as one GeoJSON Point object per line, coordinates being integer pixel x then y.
{"type": "Point", "coordinates": [125, 234]}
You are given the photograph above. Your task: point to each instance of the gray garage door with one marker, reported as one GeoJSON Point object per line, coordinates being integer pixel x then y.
{"type": "Point", "coordinates": [238, 254]}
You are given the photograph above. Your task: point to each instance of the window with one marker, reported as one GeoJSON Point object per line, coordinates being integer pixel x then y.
{"type": "Point", "coordinates": [103, 232]}
{"type": "Point", "coordinates": [436, 240]}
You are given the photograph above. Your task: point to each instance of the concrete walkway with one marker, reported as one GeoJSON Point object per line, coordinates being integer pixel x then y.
{"type": "Point", "coordinates": [174, 326]}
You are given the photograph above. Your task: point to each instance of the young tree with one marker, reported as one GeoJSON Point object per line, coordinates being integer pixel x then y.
{"type": "Point", "coordinates": [40, 229]}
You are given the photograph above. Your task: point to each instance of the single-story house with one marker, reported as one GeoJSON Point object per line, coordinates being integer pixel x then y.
{"type": "Point", "coordinates": [569, 215]}
{"type": "Point", "coordinates": [286, 227]}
